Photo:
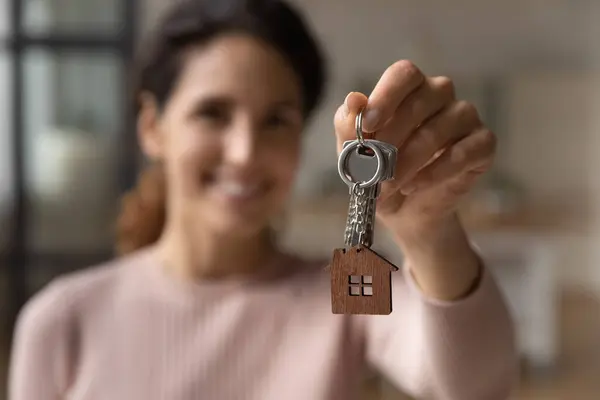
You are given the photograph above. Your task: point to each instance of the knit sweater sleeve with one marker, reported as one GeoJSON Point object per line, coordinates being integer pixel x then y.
{"type": "Point", "coordinates": [463, 350]}
{"type": "Point", "coordinates": [40, 361]}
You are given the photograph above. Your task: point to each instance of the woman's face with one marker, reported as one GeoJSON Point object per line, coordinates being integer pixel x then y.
{"type": "Point", "coordinates": [229, 136]}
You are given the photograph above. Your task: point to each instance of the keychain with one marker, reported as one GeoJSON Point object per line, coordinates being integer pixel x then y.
{"type": "Point", "coordinates": [361, 279]}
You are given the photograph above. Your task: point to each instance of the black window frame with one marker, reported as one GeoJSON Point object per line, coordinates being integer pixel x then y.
{"type": "Point", "coordinates": [18, 259]}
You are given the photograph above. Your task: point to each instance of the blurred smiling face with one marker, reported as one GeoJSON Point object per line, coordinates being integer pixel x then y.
{"type": "Point", "coordinates": [229, 135]}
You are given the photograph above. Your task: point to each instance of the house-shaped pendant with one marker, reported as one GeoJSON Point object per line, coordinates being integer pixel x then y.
{"type": "Point", "coordinates": [361, 282]}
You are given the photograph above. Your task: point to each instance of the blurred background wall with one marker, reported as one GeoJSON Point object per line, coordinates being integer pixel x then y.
{"type": "Point", "coordinates": [531, 66]}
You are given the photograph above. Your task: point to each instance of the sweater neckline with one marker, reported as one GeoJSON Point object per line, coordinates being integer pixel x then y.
{"type": "Point", "coordinates": [277, 269]}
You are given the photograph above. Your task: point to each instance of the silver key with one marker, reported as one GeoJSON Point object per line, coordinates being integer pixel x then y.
{"type": "Point", "coordinates": [363, 165]}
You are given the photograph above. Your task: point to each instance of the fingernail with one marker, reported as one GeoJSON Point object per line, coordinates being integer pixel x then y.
{"type": "Point", "coordinates": [346, 99]}
{"type": "Point", "coordinates": [346, 107]}
{"type": "Point", "coordinates": [408, 189]}
{"type": "Point", "coordinates": [370, 120]}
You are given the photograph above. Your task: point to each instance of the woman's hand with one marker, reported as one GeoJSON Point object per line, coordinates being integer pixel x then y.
{"type": "Point", "coordinates": [442, 148]}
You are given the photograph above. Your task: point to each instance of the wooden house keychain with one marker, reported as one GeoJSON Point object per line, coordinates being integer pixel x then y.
{"type": "Point", "coordinates": [361, 280]}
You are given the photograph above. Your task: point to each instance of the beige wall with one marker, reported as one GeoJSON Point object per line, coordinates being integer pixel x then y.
{"type": "Point", "coordinates": [553, 148]}
{"type": "Point", "coordinates": [550, 141]}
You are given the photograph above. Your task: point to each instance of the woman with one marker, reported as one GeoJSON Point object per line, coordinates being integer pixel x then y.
{"type": "Point", "coordinates": [202, 305]}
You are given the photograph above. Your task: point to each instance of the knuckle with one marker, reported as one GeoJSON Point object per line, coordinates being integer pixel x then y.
{"type": "Point", "coordinates": [488, 139]}
{"type": "Point", "coordinates": [441, 205]}
{"type": "Point", "coordinates": [416, 108]}
{"type": "Point", "coordinates": [486, 144]}
{"type": "Point", "coordinates": [428, 138]}
{"type": "Point", "coordinates": [406, 68]}
{"type": "Point", "coordinates": [467, 110]}
{"type": "Point", "coordinates": [446, 85]}
{"type": "Point", "coordinates": [458, 188]}
{"type": "Point", "coordinates": [458, 155]}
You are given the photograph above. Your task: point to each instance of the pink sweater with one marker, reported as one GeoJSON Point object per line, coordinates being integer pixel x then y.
{"type": "Point", "coordinates": [127, 331]}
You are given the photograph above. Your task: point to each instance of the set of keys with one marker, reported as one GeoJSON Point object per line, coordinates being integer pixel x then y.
{"type": "Point", "coordinates": [360, 278]}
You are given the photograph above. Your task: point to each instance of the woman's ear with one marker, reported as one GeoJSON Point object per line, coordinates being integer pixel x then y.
{"type": "Point", "coordinates": [150, 136]}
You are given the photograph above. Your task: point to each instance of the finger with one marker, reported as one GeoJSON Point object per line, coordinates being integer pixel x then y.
{"type": "Point", "coordinates": [396, 83]}
{"type": "Point", "coordinates": [429, 99]}
{"type": "Point", "coordinates": [345, 117]}
{"type": "Point", "coordinates": [463, 162]}
{"type": "Point", "coordinates": [443, 199]}
{"type": "Point", "coordinates": [443, 130]}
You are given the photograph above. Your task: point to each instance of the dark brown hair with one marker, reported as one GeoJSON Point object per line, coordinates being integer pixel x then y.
{"type": "Point", "coordinates": [192, 23]}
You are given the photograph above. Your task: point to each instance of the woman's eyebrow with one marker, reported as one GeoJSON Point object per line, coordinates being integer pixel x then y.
{"type": "Point", "coordinates": [287, 103]}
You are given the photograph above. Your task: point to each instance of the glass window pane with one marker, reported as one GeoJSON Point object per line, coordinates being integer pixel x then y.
{"type": "Point", "coordinates": [64, 16]}
{"type": "Point", "coordinates": [6, 156]}
{"type": "Point", "coordinates": [4, 18]}
{"type": "Point", "coordinates": [73, 115]}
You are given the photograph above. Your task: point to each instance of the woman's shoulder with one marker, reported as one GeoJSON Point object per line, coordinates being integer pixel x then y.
{"type": "Point", "coordinates": [57, 302]}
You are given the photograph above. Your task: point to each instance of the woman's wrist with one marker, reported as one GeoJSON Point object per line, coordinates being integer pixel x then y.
{"type": "Point", "coordinates": [440, 258]}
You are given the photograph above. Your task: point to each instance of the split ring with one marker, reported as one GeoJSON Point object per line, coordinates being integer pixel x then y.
{"type": "Point", "coordinates": [343, 158]}
{"type": "Point", "coordinates": [358, 126]}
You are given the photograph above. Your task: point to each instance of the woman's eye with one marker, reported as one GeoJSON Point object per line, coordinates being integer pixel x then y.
{"type": "Point", "coordinates": [276, 121]}
{"type": "Point", "coordinates": [215, 114]}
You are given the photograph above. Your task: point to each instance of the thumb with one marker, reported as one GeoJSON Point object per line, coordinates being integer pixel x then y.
{"type": "Point", "coordinates": [345, 117]}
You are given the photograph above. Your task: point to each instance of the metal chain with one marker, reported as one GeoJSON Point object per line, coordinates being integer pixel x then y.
{"type": "Point", "coordinates": [360, 208]}
{"type": "Point", "coordinates": [360, 217]}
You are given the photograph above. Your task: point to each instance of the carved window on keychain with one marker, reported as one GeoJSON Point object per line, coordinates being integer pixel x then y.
{"type": "Point", "coordinates": [361, 285]}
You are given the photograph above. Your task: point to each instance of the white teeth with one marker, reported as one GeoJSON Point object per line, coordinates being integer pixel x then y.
{"type": "Point", "coordinates": [237, 189]}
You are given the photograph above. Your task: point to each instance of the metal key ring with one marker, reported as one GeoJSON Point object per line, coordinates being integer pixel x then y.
{"type": "Point", "coordinates": [359, 130]}
{"type": "Point", "coordinates": [377, 177]}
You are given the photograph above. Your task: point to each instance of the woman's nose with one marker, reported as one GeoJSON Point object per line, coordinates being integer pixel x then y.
{"type": "Point", "coordinates": [241, 145]}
